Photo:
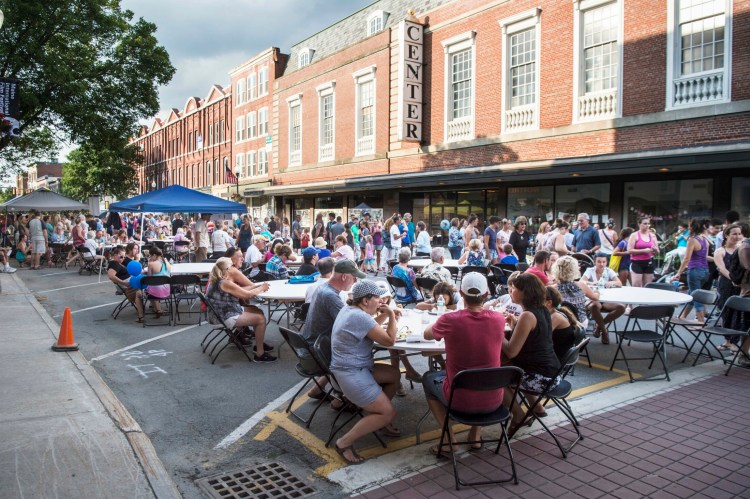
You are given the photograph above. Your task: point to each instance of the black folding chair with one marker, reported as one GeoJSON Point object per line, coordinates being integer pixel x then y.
{"type": "Point", "coordinates": [558, 395]}
{"type": "Point", "coordinates": [708, 299]}
{"type": "Point", "coordinates": [491, 379]}
{"type": "Point", "coordinates": [664, 286]}
{"type": "Point", "coordinates": [661, 315]}
{"type": "Point", "coordinates": [89, 263]}
{"type": "Point", "coordinates": [734, 305]}
{"type": "Point", "coordinates": [181, 251]}
{"type": "Point", "coordinates": [474, 268]}
{"type": "Point", "coordinates": [391, 264]}
{"type": "Point", "coordinates": [395, 283]}
{"type": "Point", "coordinates": [322, 350]}
{"type": "Point", "coordinates": [306, 356]}
{"type": "Point", "coordinates": [156, 280]}
{"type": "Point", "coordinates": [221, 332]}
{"type": "Point", "coordinates": [120, 291]}
{"type": "Point", "coordinates": [185, 287]}
{"type": "Point", "coordinates": [425, 285]}
{"type": "Point", "coordinates": [522, 266]}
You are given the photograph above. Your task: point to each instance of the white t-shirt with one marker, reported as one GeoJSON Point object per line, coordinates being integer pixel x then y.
{"type": "Point", "coordinates": [202, 228]}
{"type": "Point", "coordinates": [91, 245]}
{"type": "Point", "coordinates": [253, 255]}
{"type": "Point", "coordinates": [503, 237]}
{"type": "Point", "coordinates": [221, 240]}
{"type": "Point", "coordinates": [346, 252]}
{"type": "Point", "coordinates": [423, 242]}
{"type": "Point", "coordinates": [590, 274]}
{"type": "Point", "coordinates": [395, 237]}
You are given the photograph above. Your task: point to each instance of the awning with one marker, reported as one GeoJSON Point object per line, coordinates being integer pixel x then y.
{"type": "Point", "coordinates": [44, 200]}
{"type": "Point", "coordinates": [176, 198]}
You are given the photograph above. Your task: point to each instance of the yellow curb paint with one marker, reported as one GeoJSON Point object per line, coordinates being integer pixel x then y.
{"type": "Point", "coordinates": [265, 432]}
{"type": "Point", "coordinates": [307, 439]}
{"type": "Point", "coordinates": [601, 386]}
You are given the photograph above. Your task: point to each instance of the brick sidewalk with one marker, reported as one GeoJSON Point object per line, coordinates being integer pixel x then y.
{"type": "Point", "coordinates": [688, 442]}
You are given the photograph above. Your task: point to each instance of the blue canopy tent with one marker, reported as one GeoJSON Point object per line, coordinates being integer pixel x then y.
{"type": "Point", "coordinates": [178, 199]}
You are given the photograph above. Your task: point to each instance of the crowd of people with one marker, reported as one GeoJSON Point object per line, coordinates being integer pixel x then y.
{"type": "Point", "coordinates": [548, 301]}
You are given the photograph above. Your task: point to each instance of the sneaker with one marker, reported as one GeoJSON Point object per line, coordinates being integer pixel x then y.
{"type": "Point", "coordinates": [266, 357]}
{"type": "Point", "coordinates": [401, 392]}
{"type": "Point", "coordinates": [9, 270]}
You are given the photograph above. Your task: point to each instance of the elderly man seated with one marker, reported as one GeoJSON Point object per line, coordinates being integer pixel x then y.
{"type": "Point", "coordinates": [436, 270]}
{"type": "Point", "coordinates": [119, 275]}
{"type": "Point", "coordinates": [91, 245]}
{"type": "Point", "coordinates": [255, 254]}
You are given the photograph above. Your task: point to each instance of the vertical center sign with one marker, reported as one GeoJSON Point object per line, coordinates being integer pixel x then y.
{"type": "Point", "coordinates": [410, 78]}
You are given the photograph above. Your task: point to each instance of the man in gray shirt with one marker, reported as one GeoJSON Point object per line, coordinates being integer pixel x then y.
{"type": "Point", "coordinates": [324, 308]}
{"type": "Point", "coordinates": [38, 233]}
{"type": "Point", "coordinates": [337, 229]}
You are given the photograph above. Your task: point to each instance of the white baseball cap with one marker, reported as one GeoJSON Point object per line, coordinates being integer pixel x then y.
{"type": "Point", "coordinates": [474, 284]}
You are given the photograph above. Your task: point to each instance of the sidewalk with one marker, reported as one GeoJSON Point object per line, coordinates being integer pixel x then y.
{"type": "Point", "coordinates": [63, 433]}
{"type": "Point", "coordinates": [689, 441]}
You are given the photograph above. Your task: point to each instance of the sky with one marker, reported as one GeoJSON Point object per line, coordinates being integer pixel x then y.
{"type": "Point", "coordinates": [205, 39]}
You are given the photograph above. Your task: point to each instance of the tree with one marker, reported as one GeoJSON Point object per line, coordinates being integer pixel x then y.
{"type": "Point", "coordinates": [6, 194]}
{"type": "Point", "coordinates": [101, 169]}
{"type": "Point", "coordinates": [88, 73]}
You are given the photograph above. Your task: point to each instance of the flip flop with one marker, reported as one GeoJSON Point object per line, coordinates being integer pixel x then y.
{"type": "Point", "coordinates": [390, 432]}
{"type": "Point", "coordinates": [444, 453]}
{"type": "Point", "coordinates": [340, 452]}
{"type": "Point", "coordinates": [476, 446]}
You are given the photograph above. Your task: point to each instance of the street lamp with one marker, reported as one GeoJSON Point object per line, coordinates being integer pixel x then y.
{"type": "Point", "coordinates": [237, 172]}
{"type": "Point", "coordinates": [153, 184]}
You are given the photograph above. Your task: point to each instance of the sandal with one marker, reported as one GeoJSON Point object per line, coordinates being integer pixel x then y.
{"type": "Point", "coordinates": [139, 320]}
{"type": "Point", "coordinates": [413, 377]}
{"type": "Point", "coordinates": [391, 432]}
{"type": "Point", "coordinates": [357, 458]}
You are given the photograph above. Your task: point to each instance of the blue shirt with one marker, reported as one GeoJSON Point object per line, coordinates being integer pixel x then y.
{"type": "Point", "coordinates": [586, 239]}
{"type": "Point", "coordinates": [492, 233]}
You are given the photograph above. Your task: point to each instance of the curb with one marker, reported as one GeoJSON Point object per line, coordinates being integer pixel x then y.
{"type": "Point", "coordinates": [158, 478]}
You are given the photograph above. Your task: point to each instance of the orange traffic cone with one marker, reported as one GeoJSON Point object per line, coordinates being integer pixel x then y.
{"type": "Point", "coordinates": [65, 341]}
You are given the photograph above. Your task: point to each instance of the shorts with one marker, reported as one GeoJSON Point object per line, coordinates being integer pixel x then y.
{"type": "Point", "coordinates": [536, 383]}
{"type": "Point", "coordinates": [369, 261]}
{"type": "Point", "coordinates": [358, 385]}
{"type": "Point", "coordinates": [231, 321]}
{"type": "Point", "coordinates": [378, 247]}
{"type": "Point", "coordinates": [295, 244]}
{"type": "Point", "coordinates": [432, 382]}
{"type": "Point", "coordinates": [642, 266]}
{"type": "Point", "coordinates": [38, 246]}
{"type": "Point", "coordinates": [493, 253]}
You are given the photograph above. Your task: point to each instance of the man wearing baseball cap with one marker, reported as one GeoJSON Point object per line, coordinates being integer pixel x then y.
{"type": "Point", "coordinates": [473, 340]}
{"type": "Point", "coordinates": [309, 262]}
{"type": "Point", "coordinates": [325, 306]}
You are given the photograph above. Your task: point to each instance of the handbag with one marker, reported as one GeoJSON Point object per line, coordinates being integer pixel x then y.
{"type": "Point", "coordinates": [614, 262]}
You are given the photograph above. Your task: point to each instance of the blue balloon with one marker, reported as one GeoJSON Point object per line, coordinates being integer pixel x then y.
{"type": "Point", "coordinates": [135, 281]}
{"type": "Point", "coordinates": [445, 225]}
{"type": "Point", "coordinates": [134, 268]}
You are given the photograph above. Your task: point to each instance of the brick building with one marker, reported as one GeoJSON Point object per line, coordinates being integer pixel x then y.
{"type": "Point", "coordinates": [613, 107]}
{"type": "Point", "coordinates": [39, 175]}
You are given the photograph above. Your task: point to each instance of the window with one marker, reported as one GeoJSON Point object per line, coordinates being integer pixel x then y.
{"type": "Point", "coordinates": [252, 86]}
{"type": "Point", "coordinates": [239, 165]}
{"type": "Point", "coordinates": [326, 110]}
{"type": "Point", "coordinates": [263, 81]}
{"type": "Point", "coordinates": [210, 135]}
{"type": "Point", "coordinates": [250, 161]}
{"type": "Point", "coordinates": [252, 128]}
{"type": "Point", "coordinates": [222, 131]}
{"type": "Point", "coordinates": [208, 174]}
{"type": "Point", "coordinates": [663, 199]}
{"type": "Point", "coordinates": [597, 66]}
{"type": "Point", "coordinates": [376, 22]}
{"type": "Point", "coordinates": [216, 131]}
{"type": "Point", "coordinates": [240, 132]}
{"type": "Point", "coordinates": [262, 121]}
{"type": "Point", "coordinates": [459, 82]}
{"type": "Point", "coordinates": [190, 141]}
{"type": "Point", "coordinates": [262, 162]}
{"type": "Point", "coordinates": [699, 52]}
{"type": "Point", "coordinates": [295, 129]}
{"type": "Point", "coordinates": [304, 58]}
{"type": "Point", "coordinates": [365, 111]}
{"type": "Point", "coordinates": [216, 172]}
{"type": "Point", "coordinates": [521, 35]}
{"type": "Point", "coordinates": [240, 92]}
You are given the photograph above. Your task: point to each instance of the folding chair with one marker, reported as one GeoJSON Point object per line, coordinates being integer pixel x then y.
{"type": "Point", "coordinates": [584, 261]}
{"type": "Point", "coordinates": [734, 305]}
{"type": "Point", "coordinates": [88, 261]}
{"type": "Point", "coordinates": [322, 350]}
{"type": "Point", "coordinates": [664, 286]}
{"type": "Point", "coordinates": [221, 332]}
{"type": "Point", "coordinates": [181, 251]}
{"type": "Point", "coordinates": [558, 395]}
{"type": "Point", "coordinates": [474, 268]}
{"type": "Point", "coordinates": [522, 266]}
{"type": "Point", "coordinates": [425, 285]}
{"type": "Point", "coordinates": [156, 280]}
{"type": "Point", "coordinates": [121, 291]}
{"type": "Point", "coordinates": [391, 264]}
{"type": "Point", "coordinates": [490, 379]}
{"type": "Point", "coordinates": [304, 353]}
{"type": "Point", "coordinates": [708, 299]}
{"type": "Point", "coordinates": [395, 283]}
{"type": "Point", "coordinates": [184, 287]}
{"type": "Point", "coordinates": [580, 333]}
{"type": "Point", "coordinates": [454, 273]}
{"type": "Point", "coordinates": [634, 332]}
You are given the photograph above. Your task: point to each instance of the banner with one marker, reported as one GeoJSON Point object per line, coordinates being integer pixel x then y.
{"type": "Point", "coordinates": [10, 108]}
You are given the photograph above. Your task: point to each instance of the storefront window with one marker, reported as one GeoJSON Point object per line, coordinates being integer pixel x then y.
{"type": "Point", "coordinates": [534, 203]}
{"type": "Point", "coordinates": [329, 204]}
{"type": "Point", "coordinates": [303, 208]}
{"type": "Point", "coordinates": [443, 206]}
{"type": "Point", "coordinates": [581, 198]}
{"type": "Point", "coordinates": [668, 202]}
{"type": "Point", "coordinates": [370, 204]}
{"type": "Point", "coordinates": [471, 202]}
{"type": "Point", "coordinates": [741, 197]}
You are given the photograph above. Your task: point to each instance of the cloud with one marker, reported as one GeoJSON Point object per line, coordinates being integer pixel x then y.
{"type": "Point", "coordinates": [207, 39]}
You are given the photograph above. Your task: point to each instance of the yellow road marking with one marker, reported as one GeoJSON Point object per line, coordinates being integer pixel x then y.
{"type": "Point", "coordinates": [265, 432]}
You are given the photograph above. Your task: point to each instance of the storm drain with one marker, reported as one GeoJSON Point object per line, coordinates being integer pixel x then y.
{"type": "Point", "coordinates": [267, 481]}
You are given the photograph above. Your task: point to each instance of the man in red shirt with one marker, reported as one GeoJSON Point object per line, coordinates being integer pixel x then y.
{"type": "Point", "coordinates": [541, 266]}
{"type": "Point", "coordinates": [473, 340]}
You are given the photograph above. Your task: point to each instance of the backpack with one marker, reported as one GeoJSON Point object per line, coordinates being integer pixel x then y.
{"type": "Point", "coordinates": [737, 273]}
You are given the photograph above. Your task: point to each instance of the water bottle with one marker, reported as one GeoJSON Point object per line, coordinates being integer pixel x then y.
{"type": "Point", "coordinates": [440, 305]}
{"type": "Point", "coordinates": [425, 319]}
{"type": "Point", "coordinates": [602, 283]}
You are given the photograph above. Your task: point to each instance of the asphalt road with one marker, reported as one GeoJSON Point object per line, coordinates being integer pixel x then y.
{"type": "Point", "coordinates": [188, 407]}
